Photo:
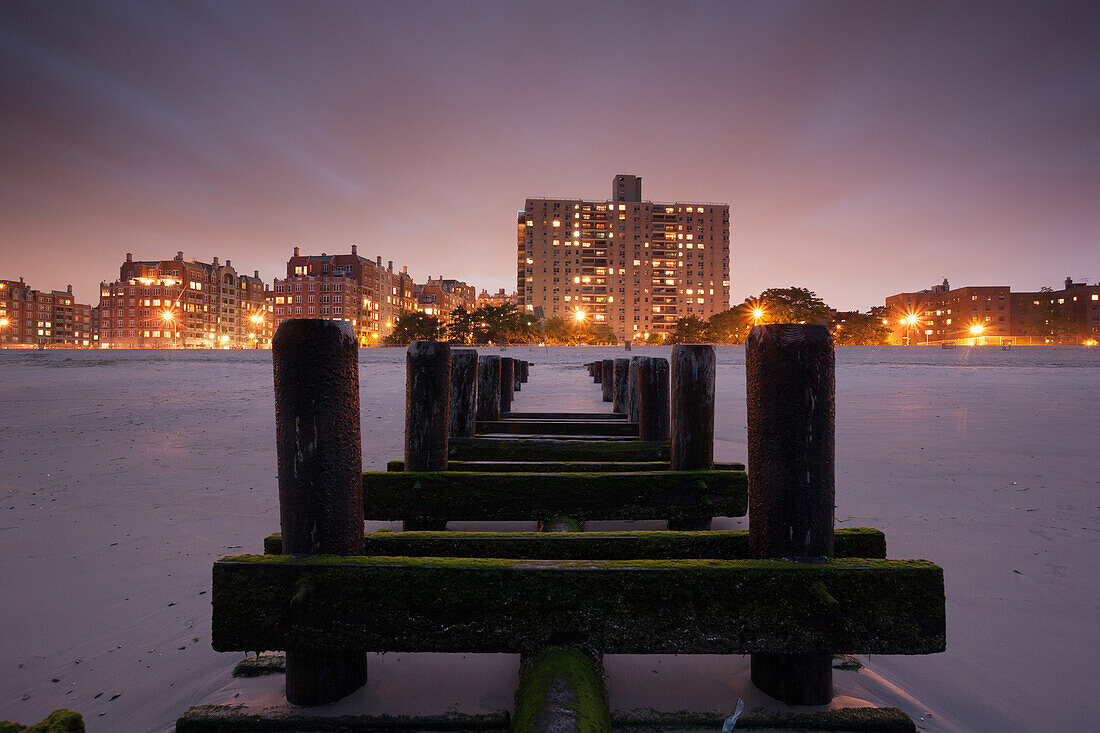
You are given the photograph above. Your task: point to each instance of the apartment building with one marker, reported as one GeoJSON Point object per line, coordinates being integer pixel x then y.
{"type": "Point", "coordinates": [995, 315]}
{"type": "Point", "coordinates": [30, 317]}
{"type": "Point", "coordinates": [441, 297]}
{"type": "Point", "coordinates": [181, 303]}
{"type": "Point", "coordinates": [346, 287]}
{"type": "Point", "coordinates": [634, 265]}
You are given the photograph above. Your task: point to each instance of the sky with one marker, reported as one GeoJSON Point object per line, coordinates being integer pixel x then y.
{"type": "Point", "coordinates": [864, 148]}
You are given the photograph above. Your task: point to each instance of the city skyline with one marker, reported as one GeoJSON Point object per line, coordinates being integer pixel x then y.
{"type": "Point", "coordinates": [863, 148]}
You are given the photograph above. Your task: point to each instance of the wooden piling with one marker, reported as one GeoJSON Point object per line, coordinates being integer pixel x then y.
{"type": "Point", "coordinates": [692, 416]}
{"type": "Point", "coordinates": [595, 369]}
{"type": "Point", "coordinates": [607, 379]}
{"type": "Point", "coordinates": [632, 390]}
{"type": "Point", "coordinates": [318, 444]}
{"type": "Point", "coordinates": [620, 394]}
{"type": "Point", "coordinates": [488, 388]}
{"type": "Point", "coordinates": [463, 413]}
{"type": "Point", "coordinates": [517, 375]}
{"type": "Point", "coordinates": [427, 408]}
{"type": "Point", "coordinates": [561, 689]}
{"type": "Point", "coordinates": [525, 370]}
{"type": "Point", "coordinates": [790, 378]}
{"type": "Point", "coordinates": [653, 394]}
{"type": "Point", "coordinates": [507, 382]}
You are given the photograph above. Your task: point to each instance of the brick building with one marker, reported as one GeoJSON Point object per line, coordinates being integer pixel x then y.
{"type": "Point", "coordinates": [635, 265]}
{"type": "Point", "coordinates": [995, 315]}
{"type": "Point", "coordinates": [442, 296]}
{"type": "Point", "coordinates": [30, 317]}
{"type": "Point", "coordinates": [346, 287]}
{"type": "Point", "coordinates": [181, 303]}
{"type": "Point", "coordinates": [500, 297]}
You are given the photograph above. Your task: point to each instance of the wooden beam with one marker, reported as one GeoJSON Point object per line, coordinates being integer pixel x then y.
{"type": "Point", "coordinates": [448, 495]}
{"type": "Point", "coordinates": [559, 427]}
{"type": "Point", "coordinates": [388, 604]}
{"type": "Point", "coordinates": [561, 466]}
{"type": "Point", "coordinates": [724, 544]}
{"type": "Point", "coordinates": [517, 449]}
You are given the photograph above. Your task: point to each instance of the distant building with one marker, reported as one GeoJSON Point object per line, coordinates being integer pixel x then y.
{"type": "Point", "coordinates": [344, 287]}
{"type": "Point", "coordinates": [635, 265]}
{"type": "Point", "coordinates": [500, 297]}
{"type": "Point", "coordinates": [441, 297]}
{"type": "Point", "coordinates": [30, 317]}
{"type": "Point", "coordinates": [995, 315]}
{"type": "Point", "coordinates": [181, 303]}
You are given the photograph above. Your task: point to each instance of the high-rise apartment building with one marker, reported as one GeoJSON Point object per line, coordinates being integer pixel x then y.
{"type": "Point", "coordinates": [344, 287]}
{"type": "Point", "coordinates": [183, 303]}
{"type": "Point", "coordinates": [634, 265]}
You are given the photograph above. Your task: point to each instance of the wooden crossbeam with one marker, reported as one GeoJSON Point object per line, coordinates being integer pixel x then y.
{"type": "Point", "coordinates": [517, 449]}
{"type": "Point", "coordinates": [561, 466]}
{"type": "Point", "coordinates": [724, 544]}
{"type": "Point", "coordinates": [388, 604]}
{"type": "Point", "coordinates": [594, 428]}
{"type": "Point", "coordinates": [447, 495]}
{"type": "Point", "coordinates": [562, 416]}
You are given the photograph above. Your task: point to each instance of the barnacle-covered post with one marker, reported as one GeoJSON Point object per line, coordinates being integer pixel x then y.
{"type": "Point", "coordinates": [791, 382]}
{"type": "Point", "coordinates": [317, 441]}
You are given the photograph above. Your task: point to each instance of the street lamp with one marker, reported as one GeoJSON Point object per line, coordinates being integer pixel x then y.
{"type": "Point", "coordinates": [909, 321]}
{"type": "Point", "coordinates": [257, 319]}
{"type": "Point", "coordinates": [976, 331]}
{"type": "Point", "coordinates": [579, 315]}
{"type": "Point", "coordinates": [169, 319]}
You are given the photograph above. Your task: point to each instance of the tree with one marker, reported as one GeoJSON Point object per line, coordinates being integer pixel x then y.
{"type": "Point", "coordinates": [689, 330]}
{"type": "Point", "coordinates": [853, 328]}
{"type": "Point", "coordinates": [731, 326]}
{"type": "Point", "coordinates": [1044, 321]}
{"type": "Point", "coordinates": [462, 326]}
{"type": "Point", "coordinates": [414, 326]}
{"type": "Point", "coordinates": [791, 305]}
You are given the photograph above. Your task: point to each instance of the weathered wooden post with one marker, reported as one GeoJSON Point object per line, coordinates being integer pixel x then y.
{"type": "Point", "coordinates": [317, 439]}
{"type": "Point", "coordinates": [620, 394]}
{"type": "Point", "coordinates": [632, 390]}
{"type": "Point", "coordinates": [507, 382]}
{"type": "Point", "coordinates": [595, 369]}
{"type": "Point", "coordinates": [653, 394]}
{"type": "Point", "coordinates": [692, 448]}
{"type": "Point", "coordinates": [517, 375]}
{"type": "Point", "coordinates": [791, 382]}
{"type": "Point", "coordinates": [427, 418]}
{"type": "Point", "coordinates": [607, 379]}
{"type": "Point", "coordinates": [488, 388]}
{"type": "Point", "coordinates": [463, 418]}
{"type": "Point", "coordinates": [526, 370]}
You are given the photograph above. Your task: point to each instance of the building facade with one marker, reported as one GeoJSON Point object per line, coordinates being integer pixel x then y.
{"type": "Point", "coordinates": [636, 266]}
{"type": "Point", "coordinates": [995, 315]}
{"type": "Point", "coordinates": [30, 317]}
{"type": "Point", "coordinates": [346, 287]}
{"type": "Point", "coordinates": [181, 303]}
{"type": "Point", "coordinates": [442, 297]}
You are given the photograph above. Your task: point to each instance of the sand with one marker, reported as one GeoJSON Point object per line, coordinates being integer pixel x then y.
{"type": "Point", "coordinates": [126, 475]}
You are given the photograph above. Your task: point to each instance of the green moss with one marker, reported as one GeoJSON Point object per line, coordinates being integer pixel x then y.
{"type": "Point", "coordinates": [59, 721]}
{"type": "Point", "coordinates": [452, 495]}
{"type": "Point", "coordinates": [260, 666]}
{"type": "Point", "coordinates": [495, 449]}
{"type": "Point", "coordinates": [886, 720]}
{"type": "Point", "coordinates": [593, 428]}
{"type": "Point", "coordinates": [721, 544]}
{"type": "Point", "coordinates": [613, 606]}
{"type": "Point", "coordinates": [238, 719]}
{"type": "Point", "coordinates": [561, 688]}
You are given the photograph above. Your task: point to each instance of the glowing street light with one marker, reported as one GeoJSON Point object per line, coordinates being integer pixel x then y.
{"type": "Point", "coordinates": [579, 315]}
{"type": "Point", "coordinates": [757, 314]}
{"type": "Point", "coordinates": [976, 331]}
{"type": "Point", "coordinates": [910, 320]}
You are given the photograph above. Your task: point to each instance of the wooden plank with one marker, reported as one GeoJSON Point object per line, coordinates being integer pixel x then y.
{"type": "Point", "coordinates": [562, 416]}
{"type": "Point", "coordinates": [517, 449]}
{"type": "Point", "coordinates": [723, 544]}
{"type": "Point", "coordinates": [561, 466]}
{"type": "Point", "coordinates": [388, 604]}
{"type": "Point", "coordinates": [559, 427]}
{"type": "Point", "coordinates": [449, 495]}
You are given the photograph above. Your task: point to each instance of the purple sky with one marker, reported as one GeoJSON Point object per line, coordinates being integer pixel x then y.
{"type": "Point", "coordinates": [865, 148]}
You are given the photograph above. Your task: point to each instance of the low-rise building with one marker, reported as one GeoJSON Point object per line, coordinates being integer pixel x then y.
{"type": "Point", "coordinates": [30, 317]}
{"type": "Point", "coordinates": [441, 297]}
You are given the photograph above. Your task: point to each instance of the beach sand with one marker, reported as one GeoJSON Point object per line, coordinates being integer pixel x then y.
{"type": "Point", "coordinates": [125, 475]}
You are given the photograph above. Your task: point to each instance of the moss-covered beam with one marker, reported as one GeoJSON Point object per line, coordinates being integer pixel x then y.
{"type": "Point", "coordinates": [439, 495]}
{"type": "Point", "coordinates": [562, 416]}
{"type": "Point", "coordinates": [329, 602]}
{"type": "Point", "coordinates": [561, 466]}
{"type": "Point", "coordinates": [720, 545]}
{"type": "Point", "coordinates": [241, 719]}
{"type": "Point", "coordinates": [59, 721]}
{"type": "Point", "coordinates": [595, 428]}
{"type": "Point", "coordinates": [561, 689]}
{"type": "Point", "coordinates": [515, 449]}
